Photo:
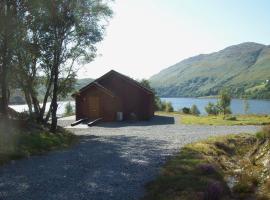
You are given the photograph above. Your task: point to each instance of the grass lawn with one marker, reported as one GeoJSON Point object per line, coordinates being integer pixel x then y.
{"type": "Point", "coordinates": [20, 139]}
{"type": "Point", "coordinates": [204, 170]}
{"type": "Point", "coordinates": [218, 120]}
{"type": "Point", "coordinates": [163, 113]}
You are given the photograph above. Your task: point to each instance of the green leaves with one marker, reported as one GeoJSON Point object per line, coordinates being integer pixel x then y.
{"type": "Point", "coordinates": [222, 106]}
{"type": "Point", "coordinates": [224, 102]}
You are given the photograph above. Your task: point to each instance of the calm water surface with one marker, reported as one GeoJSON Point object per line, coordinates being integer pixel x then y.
{"type": "Point", "coordinates": [237, 105]}
{"type": "Point", "coordinates": [60, 111]}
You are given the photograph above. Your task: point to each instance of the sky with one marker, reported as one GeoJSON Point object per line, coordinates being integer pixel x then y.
{"type": "Point", "coordinates": [146, 36]}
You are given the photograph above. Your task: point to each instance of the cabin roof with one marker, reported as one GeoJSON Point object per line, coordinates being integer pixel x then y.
{"type": "Point", "coordinates": [94, 83]}
{"type": "Point", "coordinates": [124, 77]}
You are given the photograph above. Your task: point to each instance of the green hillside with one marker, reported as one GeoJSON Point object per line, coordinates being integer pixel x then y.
{"type": "Point", "coordinates": [243, 68]}
{"type": "Point", "coordinates": [82, 82]}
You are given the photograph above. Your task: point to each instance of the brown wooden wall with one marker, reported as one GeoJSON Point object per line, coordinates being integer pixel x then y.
{"type": "Point", "coordinates": [108, 105]}
{"type": "Point", "coordinates": [133, 98]}
{"type": "Point", "coordinates": [128, 98]}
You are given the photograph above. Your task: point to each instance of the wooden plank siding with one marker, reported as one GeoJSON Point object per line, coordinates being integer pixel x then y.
{"type": "Point", "coordinates": [111, 94]}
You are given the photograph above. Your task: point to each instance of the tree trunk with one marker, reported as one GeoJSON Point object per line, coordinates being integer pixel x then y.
{"type": "Point", "coordinates": [35, 102]}
{"type": "Point", "coordinates": [4, 99]}
{"type": "Point", "coordinates": [54, 100]}
{"type": "Point", "coordinates": [48, 90]}
{"type": "Point", "coordinates": [28, 100]}
{"type": "Point", "coordinates": [4, 84]}
{"type": "Point", "coordinates": [48, 114]}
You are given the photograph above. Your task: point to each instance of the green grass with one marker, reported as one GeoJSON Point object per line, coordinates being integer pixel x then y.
{"type": "Point", "coordinates": [23, 139]}
{"type": "Point", "coordinates": [163, 113]}
{"type": "Point", "coordinates": [219, 120]}
{"type": "Point", "coordinates": [197, 171]}
{"type": "Point", "coordinates": [201, 170]}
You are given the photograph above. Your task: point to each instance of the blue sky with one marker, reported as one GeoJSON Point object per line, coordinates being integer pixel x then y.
{"type": "Point", "coordinates": [146, 36]}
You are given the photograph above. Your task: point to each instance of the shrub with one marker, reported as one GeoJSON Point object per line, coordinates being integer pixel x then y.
{"type": "Point", "coordinates": [264, 133]}
{"type": "Point", "coordinates": [69, 109]}
{"type": "Point", "coordinates": [186, 110]}
{"type": "Point", "coordinates": [231, 118]}
{"type": "Point", "coordinates": [168, 107]}
{"type": "Point", "coordinates": [194, 110]}
{"type": "Point", "coordinates": [158, 104]}
{"type": "Point", "coordinates": [164, 106]}
{"type": "Point", "coordinates": [212, 109]}
{"type": "Point", "coordinates": [224, 102]}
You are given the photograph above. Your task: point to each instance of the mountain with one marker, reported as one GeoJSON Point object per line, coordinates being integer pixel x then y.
{"type": "Point", "coordinates": [243, 68]}
{"type": "Point", "coordinates": [82, 82]}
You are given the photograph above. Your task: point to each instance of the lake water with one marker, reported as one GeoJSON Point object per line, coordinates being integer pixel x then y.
{"type": "Point", "coordinates": [237, 105]}
{"type": "Point", "coordinates": [60, 111]}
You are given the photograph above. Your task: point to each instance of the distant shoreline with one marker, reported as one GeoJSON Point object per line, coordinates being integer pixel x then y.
{"type": "Point", "coordinates": [203, 97]}
{"type": "Point", "coordinates": [215, 97]}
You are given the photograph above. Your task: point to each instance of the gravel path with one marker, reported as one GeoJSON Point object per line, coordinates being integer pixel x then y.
{"type": "Point", "coordinates": [112, 161]}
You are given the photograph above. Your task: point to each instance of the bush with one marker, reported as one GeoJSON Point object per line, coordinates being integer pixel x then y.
{"type": "Point", "coordinates": [164, 106]}
{"type": "Point", "coordinates": [186, 110]}
{"type": "Point", "coordinates": [231, 118]}
{"type": "Point", "coordinates": [194, 110]}
{"type": "Point", "coordinates": [168, 107]}
{"type": "Point", "coordinates": [264, 133]}
{"type": "Point", "coordinates": [160, 105]}
{"type": "Point", "coordinates": [224, 102]}
{"type": "Point", "coordinates": [212, 109]}
{"type": "Point", "coordinates": [69, 109]}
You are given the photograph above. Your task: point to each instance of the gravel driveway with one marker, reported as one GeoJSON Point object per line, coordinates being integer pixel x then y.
{"type": "Point", "coordinates": [112, 161]}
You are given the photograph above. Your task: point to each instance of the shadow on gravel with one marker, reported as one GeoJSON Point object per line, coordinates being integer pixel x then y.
{"type": "Point", "coordinates": [97, 168]}
{"type": "Point", "coordinates": [156, 120]}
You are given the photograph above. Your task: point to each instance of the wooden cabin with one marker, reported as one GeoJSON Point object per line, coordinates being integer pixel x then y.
{"type": "Point", "coordinates": [113, 97]}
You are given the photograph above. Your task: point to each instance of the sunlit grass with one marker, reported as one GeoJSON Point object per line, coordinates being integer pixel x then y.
{"type": "Point", "coordinates": [220, 120]}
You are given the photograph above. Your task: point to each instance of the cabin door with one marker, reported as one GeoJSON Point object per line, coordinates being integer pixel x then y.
{"type": "Point", "coordinates": [94, 107]}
